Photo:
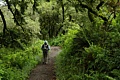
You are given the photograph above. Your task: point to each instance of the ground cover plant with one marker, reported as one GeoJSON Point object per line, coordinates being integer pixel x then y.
{"type": "Point", "coordinates": [17, 64]}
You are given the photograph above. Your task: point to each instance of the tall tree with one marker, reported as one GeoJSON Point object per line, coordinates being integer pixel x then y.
{"type": "Point", "coordinates": [60, 2]}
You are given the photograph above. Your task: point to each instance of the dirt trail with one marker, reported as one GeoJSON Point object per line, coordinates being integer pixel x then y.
{"type": "Point", "coordinates": [45, 71]}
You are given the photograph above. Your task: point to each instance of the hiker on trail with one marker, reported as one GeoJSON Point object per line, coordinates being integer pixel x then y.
{"type": "Point", "coordinates": [45, 48]}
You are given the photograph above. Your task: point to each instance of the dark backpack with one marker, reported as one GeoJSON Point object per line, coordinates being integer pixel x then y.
{"type": "Point", "coordinates": [45, 47]}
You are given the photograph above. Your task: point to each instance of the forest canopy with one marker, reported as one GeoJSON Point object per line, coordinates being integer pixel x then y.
{"type": "Point", "coordinates": [87, 30]}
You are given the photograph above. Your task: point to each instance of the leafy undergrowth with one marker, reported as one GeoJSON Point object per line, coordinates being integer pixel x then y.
{"type": "Point", "coordinates": [66, 38]}
{"type": "Point", "coordinates": [90, 55]}
{"type": "Point", "coordinates": [16, 64]}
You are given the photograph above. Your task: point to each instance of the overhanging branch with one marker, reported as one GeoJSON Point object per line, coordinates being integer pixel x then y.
{"type": "Point", "coordinates": [92, 11]}
{"type": "Point", "coordinates": [8, 4]}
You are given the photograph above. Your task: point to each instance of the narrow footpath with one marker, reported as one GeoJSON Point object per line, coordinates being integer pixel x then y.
{"type": "Point", "coordinates": [46, 71]}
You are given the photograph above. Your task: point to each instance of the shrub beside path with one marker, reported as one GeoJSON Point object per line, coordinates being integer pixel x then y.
{"type": "Point", "coordinates": [46, 71]}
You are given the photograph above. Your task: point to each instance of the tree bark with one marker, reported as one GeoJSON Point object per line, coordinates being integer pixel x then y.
{"type": "Point", "coordinates": [48, 0]}
{"type": "Point", "coordinates": [63, 12]}
{"type": "Point", "coordinates": [63, 16]}
{"type": "Point", "coordinates": [4, 22]}
{"type": "Point", "coordinates": [34, 7]}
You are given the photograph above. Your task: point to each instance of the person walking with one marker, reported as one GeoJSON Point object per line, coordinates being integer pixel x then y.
{"type": "Point", "coordinates": [45, 48]}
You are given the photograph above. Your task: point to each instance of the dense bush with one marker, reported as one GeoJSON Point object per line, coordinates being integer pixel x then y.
{"type": "Point", "coordinates": [93, 54]}
{"type": "Point", "coordinates": [16, 64]}
{"type": "Point", "coordinates": [71, 30]}
{"type": "Point", "coordinates": [16, 38]}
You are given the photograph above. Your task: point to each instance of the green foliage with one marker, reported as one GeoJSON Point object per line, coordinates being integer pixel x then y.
{"type": "Point", "coordinates": [19, 36]}
{"type": "Point", "coordinates": [88, 30]}
{"type": "Point", "coordinates": [17, 64]}
{"type": "Point", "coordinates": [48, 19]}
{"type": "Point", "coordinates": [16, 38]}
{"type": "Point", "coordinates": [71, 29]}
{"type": "Point", "coordinates": [93, 54]}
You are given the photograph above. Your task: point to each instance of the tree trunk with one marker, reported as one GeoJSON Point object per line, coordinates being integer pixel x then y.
{"type": "Point", "coordinates": [4, 22]}
{"type": "Point", "coordinates": [48, 0]}
{"type": "Point", "coordinates": [63, 12]}
{"type": "Point", "coordinates": [63, 16]}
